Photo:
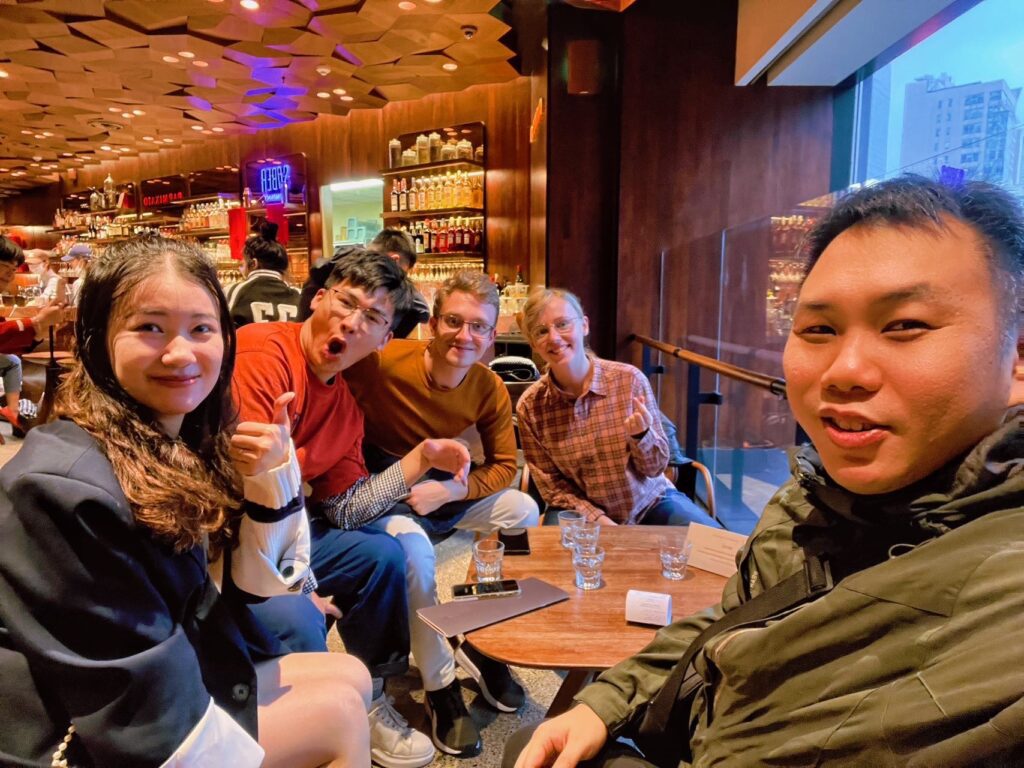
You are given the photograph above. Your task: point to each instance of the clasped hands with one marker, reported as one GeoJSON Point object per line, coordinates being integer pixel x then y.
{"type": "Point", "coordinates": [448, 456]}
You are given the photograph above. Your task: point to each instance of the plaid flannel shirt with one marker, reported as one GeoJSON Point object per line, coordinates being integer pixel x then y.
{"type": "Point", "coordinates": [579, 453]}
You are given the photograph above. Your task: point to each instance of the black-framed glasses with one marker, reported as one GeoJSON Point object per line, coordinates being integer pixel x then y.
{"type": "Point", "coordinates": [347, 305]}
{"type": "Point", "coordinates": [563, 326]}
{"type": "Point", "coordinates": [477, 328]}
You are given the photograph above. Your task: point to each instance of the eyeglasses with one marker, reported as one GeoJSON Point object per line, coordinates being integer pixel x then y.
{"type": "Point", "coordinates": [477, 329]}
{"type": "Point", "coordinates": [374, 318]}
{"type": "Point", "coordinates": [563, 326]}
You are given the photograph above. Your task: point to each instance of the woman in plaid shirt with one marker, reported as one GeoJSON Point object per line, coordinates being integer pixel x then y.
{"type": "Point", "coordinates": [590, 428]}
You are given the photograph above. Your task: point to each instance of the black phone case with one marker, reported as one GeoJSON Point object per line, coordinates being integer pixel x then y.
{"type": "Point", "coordinates": [515, 544]}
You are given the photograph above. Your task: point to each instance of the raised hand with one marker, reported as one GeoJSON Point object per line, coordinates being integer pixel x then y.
{"type": "Point", "coordinates": [257, 447]}
{"type": "Point", "coordinates": [640, 420]}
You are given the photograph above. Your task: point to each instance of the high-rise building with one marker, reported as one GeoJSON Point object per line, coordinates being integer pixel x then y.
{"type": "Point", "coordinates": [973, 127]}
{"type": "Point", "coordinates": [871, 137]}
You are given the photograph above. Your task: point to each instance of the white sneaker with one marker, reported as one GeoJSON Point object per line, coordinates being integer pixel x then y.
{"type": "Point", "coordinates": [393, 744]}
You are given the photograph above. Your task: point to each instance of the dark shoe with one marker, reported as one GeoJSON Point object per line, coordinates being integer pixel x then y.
{"type": "Point", "coordinates": [495, 681]}
{"type": "Point", "coordinates": [451, 728]}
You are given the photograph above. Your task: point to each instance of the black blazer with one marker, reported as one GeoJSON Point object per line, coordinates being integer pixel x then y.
{"type": "Point", "coordinates": [102, 625]}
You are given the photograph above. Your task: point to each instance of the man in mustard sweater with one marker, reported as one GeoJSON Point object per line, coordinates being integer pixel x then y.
{"type": "Point", "coordinates": [416, 389]}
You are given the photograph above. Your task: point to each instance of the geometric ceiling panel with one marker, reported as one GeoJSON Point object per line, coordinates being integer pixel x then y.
{"type": "Point", "coordinates": [83, 81]}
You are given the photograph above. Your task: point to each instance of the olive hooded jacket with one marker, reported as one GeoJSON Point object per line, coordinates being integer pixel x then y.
{"type": "Point", "coordinates": [905, 662]}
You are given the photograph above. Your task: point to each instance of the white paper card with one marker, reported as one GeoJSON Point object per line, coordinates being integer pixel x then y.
{"type": "Point", "coordinates": [648, 608]}
{"type": "Point", "coordinates": [714, 549]}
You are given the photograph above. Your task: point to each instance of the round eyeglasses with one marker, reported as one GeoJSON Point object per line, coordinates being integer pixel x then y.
{"type": "Point", "coordinates": [346, 305]}
{"type": "Point", "coordinates": [477, 328]}
{"type": "Point", "coordinates": [563, 326]}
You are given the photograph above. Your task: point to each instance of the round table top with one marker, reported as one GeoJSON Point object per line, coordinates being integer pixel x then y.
{"type": "Point", "coordinates": [44, 356]}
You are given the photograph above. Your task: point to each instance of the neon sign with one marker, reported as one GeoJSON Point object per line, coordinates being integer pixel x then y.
{"type": "Point", "coordinates": [274, 183]}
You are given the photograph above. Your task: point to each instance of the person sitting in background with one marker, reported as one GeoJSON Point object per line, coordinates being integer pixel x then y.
{"type": "Point", "coordinates": [413, 390]}
{"type": "Point", "coordinates": [78, 257]}
{"type": "Point", "coordinates": [397, 245]}
{"type": "Point", "coordinates": [18, 336]}
{"type": "Point", "coordinates": [900, 536]}
{"type": "Point", "coordinates": [50, 283]}
{"type": "Point", "coordinates": [356, 562]}
{"type": "Point", "coordinates": [263, 296]}
{"type": "Point", "coordinates": [132, 533]}
{"type": "Point", "coordinates": [590, 428]}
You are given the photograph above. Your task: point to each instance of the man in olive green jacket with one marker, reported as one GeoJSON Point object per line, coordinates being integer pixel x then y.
{"type": "Point", "coordinates": [899, 367]}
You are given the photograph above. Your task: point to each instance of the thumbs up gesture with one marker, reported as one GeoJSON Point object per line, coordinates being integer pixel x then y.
{"type": "Point", "coordinates": [256, 447]}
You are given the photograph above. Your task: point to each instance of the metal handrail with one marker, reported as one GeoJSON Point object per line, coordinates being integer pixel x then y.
{"type": "Point", "coordinates": [773, 384]}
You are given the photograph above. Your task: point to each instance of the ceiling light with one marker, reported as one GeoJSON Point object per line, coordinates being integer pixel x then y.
{"type": "Point", "coordinates": [138, 112]}
{"type": "Point", "coordinates": [200, 63]}
{"type": "Point", "coordinates": [250, 5]}
{"type": "Point", "coordinates": [105, 147]}
{"type": "Point", "coordinates": [147, 138]}
{"type": "Point", "coordinates": [197, 127]}
{"type": "Point", "coordinates": [113, 109]}
{"type": "Point", "coordinates": [4, 73]}
{"type": "Point", "coordinates": [347, 98]}
{"type": "Point", "coordinates": [68, 154]}
{"type": "Point", "coordinates": [47, 134]}
{"type": "Point", "coordinates": [168, 141]}
{"type": "Point", "coordinates": [433, 2]}
{"type": "Point", "coordinates": [122, 149]}
{"type": "Point", "coordinates": [127, 115]}
{"type": "Point", "coordinates": [218, 129]}
{"type": "Point", "coordinates": [4, 170]}
{"type": "Point", "coordinates": [26, 132]}
{"type": "Point", "coordinates": [39, 136]}
{"type": "Point", "coordinates": [406, 5]}
{"type": "Point", "coordinates": [451, 66]}
{"type": "Point", "coordinates": [323, 71]}
{"type": "Point", "coordinates": [208, 132]}
{"type": "Point", "coordinates": [323, 95]}
{"type": "Point", "coordinates": [34, 165]}
{"type": "Point", "coordinates": [340, 91]}
{"type": "Point", "coordinates": [171, 59]}
{"type": "Point", "coordinates": [186, 54]}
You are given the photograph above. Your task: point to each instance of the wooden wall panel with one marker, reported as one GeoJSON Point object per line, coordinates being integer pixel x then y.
{"type": "Point", "coordinates": [698, 153]}
{"type": "Point", "coordinates": [355, 146]}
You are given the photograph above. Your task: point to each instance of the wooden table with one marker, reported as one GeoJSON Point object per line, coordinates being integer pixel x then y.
{"type": "Point", "coordinates": [588, 632]}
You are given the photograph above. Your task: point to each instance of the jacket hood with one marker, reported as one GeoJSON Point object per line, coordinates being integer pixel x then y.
{"type": "Point", "coordinates": [987, 478]}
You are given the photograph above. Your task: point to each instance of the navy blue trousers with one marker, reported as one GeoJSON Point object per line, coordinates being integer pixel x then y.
{"type": "Point", "coordinates": [364, 571]}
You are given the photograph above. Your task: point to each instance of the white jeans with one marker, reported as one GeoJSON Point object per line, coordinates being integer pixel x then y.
{"type": "Point", "coordinates": [504, 509]}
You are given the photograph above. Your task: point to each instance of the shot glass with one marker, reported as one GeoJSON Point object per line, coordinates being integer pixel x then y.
{"type": "Point", "coordinates": [487, 556]}
{"type": "Point", "coordinates": [586, 535]}
{"type": "Point", "coordinates": [568, 519]}
{"type": "Point", "coordinates": [588, 568]}
{"type": "Point", "coordinates": [674, 557]}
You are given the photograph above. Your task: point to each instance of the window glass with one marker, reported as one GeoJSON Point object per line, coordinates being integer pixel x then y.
{"type": "Point", "coordinates": [966, 76]}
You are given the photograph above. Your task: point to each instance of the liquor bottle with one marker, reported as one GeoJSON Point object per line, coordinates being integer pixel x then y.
{"type": "Point", "coordinates": [442, 238]}
{"type": "Point", "coordinates": [429, 199]}
{"type": "Point", "coordinates": [519, 274]}
{"type": "Point", "coordinates": [421, 195]}
{"type": "Point", "coordinates": [478, 194]}
{"type": "Point", "coordinates": [446, 190]}
{"type": "Point", "coordinates": [403, 197]}
{"type": "Point", "coordinates": [394, 195]}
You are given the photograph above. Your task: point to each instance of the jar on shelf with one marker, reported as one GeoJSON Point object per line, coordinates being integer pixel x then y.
{"type": "Point", "coordinates": [410, 157]}
{"type": "Point", "coordinates": [464, 150]}
{"type": "Point", "coordinates": [478, 153]}
{"type": "Point", "coordinates": [435, 146]}
{"type": "Point", "coordinates": [448, 150]}
{"type": "Point", "coordinates": [422, 148]}
{"type": "Point", "coordinates": [394, 153]}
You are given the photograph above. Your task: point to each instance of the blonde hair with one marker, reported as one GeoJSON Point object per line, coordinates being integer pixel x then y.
{"type": "Point", "coordinates": [476, 284]}
{"type": "Point", "coordinates": [538, 299]}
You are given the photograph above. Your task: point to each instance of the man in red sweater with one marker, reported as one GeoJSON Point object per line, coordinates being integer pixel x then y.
{"type": "Point", "coordinates": [354, 562]}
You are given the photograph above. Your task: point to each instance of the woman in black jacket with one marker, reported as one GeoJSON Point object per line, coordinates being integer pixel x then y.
{"type": "Point", "coordinates": [127, 559]}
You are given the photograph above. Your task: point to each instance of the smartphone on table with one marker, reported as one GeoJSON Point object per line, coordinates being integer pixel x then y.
{"type": "Point", "coordinates": [516, 541]}
{"type": "Point", "coordinates": [477, 589]}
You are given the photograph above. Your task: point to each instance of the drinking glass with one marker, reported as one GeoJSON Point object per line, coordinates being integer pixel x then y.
{"type": "Point", "coordinates": [568, 519]}
{"type": "Point", "coordinates": [487, 556]}
{"type": "Point", "coordinates": [588, 568]}
{"type": "Point", "coordinates": [674, 557]}
{"type": "Point", "coordinates": [586, 535]}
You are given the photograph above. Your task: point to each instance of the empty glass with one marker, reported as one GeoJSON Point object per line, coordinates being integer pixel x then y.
{"type": "Point", "coordinates": [588, 568]}
{"type": "Point", "coordinates": [674, 557]}
{"type": "Point", "coordinates": [568, 519]}
{"type": "Point", "coordinates": [487, 556]}
{"type": "Point", "coordinates": [586, 535]}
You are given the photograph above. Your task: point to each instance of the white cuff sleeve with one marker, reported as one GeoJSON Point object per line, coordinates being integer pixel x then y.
{"type": "Point", "coordinates": [216, 740]}
{"type": "Point", "coordinates": [275, 487]}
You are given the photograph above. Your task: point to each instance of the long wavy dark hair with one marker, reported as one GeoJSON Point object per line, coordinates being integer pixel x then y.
{"type": "Point", "coordinates": [184, 489]}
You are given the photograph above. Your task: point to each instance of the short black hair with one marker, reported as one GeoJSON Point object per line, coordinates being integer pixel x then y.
{"type": "Point", "coordinates": [265, 250]}
{"type": "Point", "coordinates": [372, 271]}
{"type": "Point", "coordinates": [11, 252]}
{"type": "Point", "coordinates": [395, 241]}
{"type": "Point", "coordinates": [915, 201]}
